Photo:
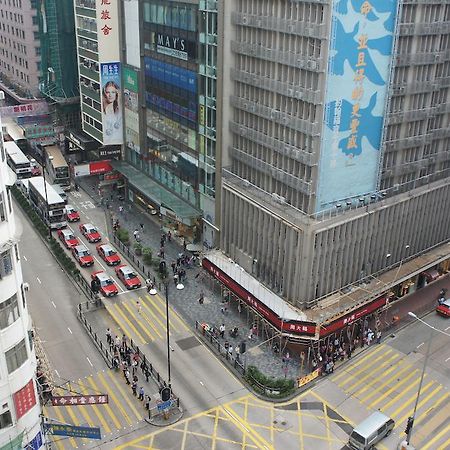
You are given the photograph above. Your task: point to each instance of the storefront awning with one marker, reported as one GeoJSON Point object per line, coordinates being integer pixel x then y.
{"type": "Point", "coordinates": [431, 274]}
{"type": "Point", "coordinates": [155, 191]}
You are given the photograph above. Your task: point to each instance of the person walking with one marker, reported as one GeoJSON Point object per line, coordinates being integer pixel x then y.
{"type": "Point", "coordinates": [379, 337]}
{"type": "Point", "coordinates": [135, 234]}
{"type": "Point", "coordinates": [141, 393]}
{"type": "Point", "coordinates": [184, 244]}
{"type": "Point", "coordinates": [142, 226]}
{"type": "Point", "coordinates": [173, 264]}
{"type": "Point", "coordinates": [134, 388]}
{"type": "Point", "coordinates": [108, 337]}
{"type": "Point", "coordinates": [222, 330]}
{"type": "Point", "coordinates": [127, 376]}
{"type": "Point", "coordinates": [124, 342]}
{"type": "Point", "coordinates": [147, 402]}
{"type": "Point", "coordinates": [138, 306]}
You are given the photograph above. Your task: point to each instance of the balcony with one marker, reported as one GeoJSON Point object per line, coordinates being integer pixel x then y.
{"type": "Point", "coordinates": [408, 116]}
{"type": "Point", "coordinates": [422, 58]}
{"type": "Point", "coordinates": [89, 73]}
{"type": "Point", "coordinates": [424, 28]}
{"type": "Point", "coordinates": [87, 34]}
{"type": "Point", "coordinates": [90, 92]}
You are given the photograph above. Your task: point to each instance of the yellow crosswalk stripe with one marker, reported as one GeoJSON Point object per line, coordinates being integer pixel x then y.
{"type": "Point", "coordinates": [363, 368]}
{"type": "Point", "coordinates": [117, 424]}
{"type": "Point", "coordinates": [172, 312]}
{"type": "Point", "coordinates": [371, 373]}
{"type": "Point", "coordinates": [154, 301]}
{"type": "Point", "coordinates": [358, 362]}
{"type": "Point", "coordinates": [95, 408]}
{"type": "Point", "coordinates": [131, 326]}
{"type": "Point", "coordinates": [143, 301]}
{"type": "Point", "coordinates": [434, 406]}
{"type": "Point", "coordinates": [421, 403]}
{"type": "Point", "coordinates": [117, 401]}
{"type": "Point", "coordinates": [127, 399]}
{"type": "Point", "coordinates": [402, 393]}
{"type": "Point", "coordinates": [392, 389]}
{"type": "Point", "coordinates": [137, 318]}
{"type": "Point", "coordinates": [122, 326]}
{"type": "Point", "coordinates": [83, 411]}
{"type": "Point", "coordinates": [48, 412]}
{"type": "Point", "coordinates": [377, 390]}
{"type": "Point", "coordinates": [431, 442]}
{"type": "Point", "coordinates": [445, 445]}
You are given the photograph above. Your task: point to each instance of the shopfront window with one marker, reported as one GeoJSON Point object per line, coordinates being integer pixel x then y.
{"type": "Point", "coordinates": [174, 15]}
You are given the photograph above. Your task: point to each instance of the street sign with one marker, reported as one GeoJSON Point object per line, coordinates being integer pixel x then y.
{"type": "Point", "coordinates": [164, 405]}
{"type": "Point", "coordinates": [71, 430]}
{"type": "Point", "coordinates": [79, 400]}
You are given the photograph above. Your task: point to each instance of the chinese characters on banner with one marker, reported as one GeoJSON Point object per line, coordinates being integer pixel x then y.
{"type": "Point", "coordinates": [74, 400]}
{"type": "Point", "coordinates": [358, 89]}
{"type": "Point", "coordinates": [29, 109]}
{"type": "Point", "coordinates": [24, 399]}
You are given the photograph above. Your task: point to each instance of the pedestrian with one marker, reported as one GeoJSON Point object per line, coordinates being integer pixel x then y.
{"type": "Point", "coordinates": [141, 393]}
{"type": "Point", "coordinates": [138, 306]}
{"type": "Point", "coordinates": [239, 308]}
{"type": "Point", "coordinates": [379, 337]}
{"type": "Point", "coordinates": [142, 226]}
{"type": "Point", "coordinates": [124, 342]}
{"type": "Point", "coordinates": [202, 298]}
{"type": "Point", "coordinates": [134, 388]}
{"type": "Point", "coordinates": [147, 402]}
{"type": "Point", "coordinates": [237, 351]}
{"type": "Point", "coordinates": [127, 376]}
{"type": "Point", "coordinates": [135, 233]}
{"type": "Point", "coordinates": [184, 244]}
{"type": "Point", "coordinates": [121, 209]}
{"type": "Point", "coordinates": [169, 236]}
{"type": "Point", "coordinates": [230, 351]}
{"type": "Point", "coordinates": [162, 251]}
{"type": "Point", "coordinates": [174, 266]}
{"type": "Point", "coordinates": [108, 337]}
{"type": "Point", "coordinates": [222, 330]}
{"type": "Point", "coordinates": [147, 374]}
{"type": "Point", "coordinates": [175, 278]}
{"type": "Point", "coordinates": [134, 365]}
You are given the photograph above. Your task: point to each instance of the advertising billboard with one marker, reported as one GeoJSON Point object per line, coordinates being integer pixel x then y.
{"type": "Point", "coordinates": [357, 81]}
{"type": "Point", "coordinates": [111, 106]}
{"type": "Point", "coordinates": [24, 399]}
{"type": "Point", "coordinates": [175, 46]}
{"type": "Point", "coordinates": [131, 103]}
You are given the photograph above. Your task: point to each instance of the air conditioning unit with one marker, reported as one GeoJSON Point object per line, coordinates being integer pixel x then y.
{"type": "Point", "coordinates": [244, 20]}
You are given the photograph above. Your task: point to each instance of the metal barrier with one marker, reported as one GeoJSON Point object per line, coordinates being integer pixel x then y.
{"type": "Point", "coordinates": [216, 345]}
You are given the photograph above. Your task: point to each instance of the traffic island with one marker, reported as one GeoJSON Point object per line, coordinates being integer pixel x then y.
{"type": "Point", "coordinates": [165, 413]}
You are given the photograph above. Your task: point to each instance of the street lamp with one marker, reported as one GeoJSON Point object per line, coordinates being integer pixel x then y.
{"type": "Point", "coordinates": [166, 284]}
{"type": "Point", "coordinates": [411, 419]}
{"type": "Point", "coordinates": [44, 167]}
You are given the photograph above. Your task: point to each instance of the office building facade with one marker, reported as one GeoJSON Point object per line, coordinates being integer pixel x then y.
{"type": "Point", "coordinates": [335, 139]}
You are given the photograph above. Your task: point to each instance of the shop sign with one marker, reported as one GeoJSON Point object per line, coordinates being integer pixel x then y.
{"type": "Point", "coordinates": [30, 109]}
{"type": "Point", "coordinates": [24, 399]}
{"type": "Point", "coordinates": [307, 378]}
{"type": "Point", "coordinates": [76, 141]}
{"type": "Point", "coordinates": [109, 151]}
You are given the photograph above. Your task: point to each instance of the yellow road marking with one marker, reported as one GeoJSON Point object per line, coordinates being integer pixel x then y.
{"type": "Point", "coordinates": [100, 417]}
{"type": "Point", "coordinates": [214, 433]}
{"type": "Point", "coordinates": [144, 304]}
{"type": "Point", "coordinates": [83, 410]}
{"type": "Point", "coordinates": [138, 415]}
{"type": "Point", "coordinates": [392, 389]}
{"type": "Point", "coordinates": [183, 441]}
{"type": "Point", "coordinates": [172, 312]}
{"type": "Point", "coordinates": [117, 424]}
{"type": "Point", "coordinates": [58, 442]}
{"type": "Point", "coordinates": [363, 368]}
{"type": "Point", "coordinates": [377, 390]}
{"type": "Point", "coordinates": [437, 437]}
{"type": "Point", "coordinates": [138, 322]}
{"type": "Point", "coordinates": [422, 402]}
{"type": "Point", "coordinates": [300, 424]}
{"type": "Point", "coordinates": [445, 446]}
{"type": "Point", "coordinates": [405, 391]}
{"type": "Point", "coordinates": [370, 374]}
{"type": "Point", "coordinates": [358, 362]}
{"type": "Point", "coordinates": [133, 328]}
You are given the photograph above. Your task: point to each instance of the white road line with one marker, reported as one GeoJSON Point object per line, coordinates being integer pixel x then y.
{"type": "Point", "coordinates": [53, 303]}
{"type": "Point", "coordinates": [420, 345]}
{"type": "Point", "coordinates": [57, 373]}
{"type": "Point", "coordinates": [201, 383]}
{"type": "Point", "coordinates": [89, 361]}
{"type": "Point", "coordinates": [448, 328]}
{"type": "Point", "coordinates": [447, 359]}
{"type": "Point", "coordinates": [24, 257]}
{"type": "Point", "coordinates": [39, 281]}
{"type": "Point", "coordinates": [70, 331]}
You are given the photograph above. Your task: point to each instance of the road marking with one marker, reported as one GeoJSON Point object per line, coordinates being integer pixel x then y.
{"type": "Point", "coordinates": [148, 320]}
{"type": "Point", "coordinates": [53, 303]}
{"type": "Point", "coordinates": [139, 325]}
{"type": "Point", "coordinates": [62, 419]}
{"type": "Point", "coordinates": [39, 281]}
{"type": "Point", "coordinates": [70, 331]}
{"type": "Point", "coordinates": [133, 328]}
{"type": "Point", "coordinates": [201, 383]}
{"type": "Point", "coordinates": [447, 359]}
{"type": "Point", "coordinates": [443, 432]}
{"type": "Point", "coordinates": [89, 361]}
{"type": "Point", "coordinates": [420, 345]}
{"type": "Point", "coordinates": [24, 257]}
{"type": "Point", "coordinates": [448, 328]}
{"type": "Point", "coordinates": [57, 373]}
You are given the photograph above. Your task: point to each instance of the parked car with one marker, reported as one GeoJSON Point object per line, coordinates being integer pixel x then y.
{"type": "Point", "coordinates": [444, 308]}
{"type": "Point", "coordinates": [128, 277]}
{"type": "Point", "coordinates": [82, 255]}
{"type": "Point", "coordinates": [108, 254]}
{"type": "Point", "coordinates": [72, 214]}
{"type": "Point", "coordinates": [106, 284]}
{"type": "Point", "coordinates": [90, 232]}
{"type": "Point", "coordinates": [68, 238]}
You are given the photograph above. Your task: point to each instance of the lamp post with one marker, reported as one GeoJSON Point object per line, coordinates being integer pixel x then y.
{"type": "Point", "coordinates": [425, 361]}
{"type": "Point", "coordinates": [44, 167]}
{"type": "Point", "coordinates": [166, 284]}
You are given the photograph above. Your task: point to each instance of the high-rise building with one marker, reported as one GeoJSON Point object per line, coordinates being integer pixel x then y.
{"type": "Point", "coordinates": [20, 409]}
{"type": "Point", "coordinates": [20, 50]}
{"type": "Point", "coordinates": [336, 141]}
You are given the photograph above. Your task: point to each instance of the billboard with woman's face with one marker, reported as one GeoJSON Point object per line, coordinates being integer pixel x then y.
{"type": "Point", "coordinates": [111, 104]}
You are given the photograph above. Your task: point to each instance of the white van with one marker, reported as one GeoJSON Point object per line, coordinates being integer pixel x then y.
{"type": "Point", "coordinates": [60, 191]}
{"type": "Point", "coordinates": [370, 431]}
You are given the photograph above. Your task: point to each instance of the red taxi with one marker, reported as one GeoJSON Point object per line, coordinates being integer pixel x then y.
{"type": "Point", "coordinates": [108, 254]}
{"type": "Point", "coordinates": [128, 277]}
{"type": "Point", "coordinates": [444, 308]}
{"type": "Point", "coordinates": [72, 214]}
{"type": "Point", "coordinates": [82, 255]}
{"type": "Point", "coordinates": [68, 238]}
{"type": "Point", "coordinates": [90, 232]}
{"type": "Point", "coordinates": [106, 284]}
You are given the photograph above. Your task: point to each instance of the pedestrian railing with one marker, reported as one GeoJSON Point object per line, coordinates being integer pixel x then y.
{"type": "Point", "coordinates": [217, 346]}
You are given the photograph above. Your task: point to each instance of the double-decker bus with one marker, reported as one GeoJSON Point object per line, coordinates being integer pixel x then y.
{"type": "Point", "coordinates": [18, 162]}
{"type": "Point", "coordinates": [57, 167]}
{"type": "Point", "coordinates": [47, 203]}
{"type": "Point", "coordinates": [13, 132]}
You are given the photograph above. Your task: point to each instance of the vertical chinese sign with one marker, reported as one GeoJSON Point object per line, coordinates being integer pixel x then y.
{"type": "Point", "coordinates": [24, 399]}
{"type": "Point", "coordinates": [361, 43]}
{"type": "Point", "coordinates": [110, 70]}
{"type": "Point", "coordinates": [131, 103]}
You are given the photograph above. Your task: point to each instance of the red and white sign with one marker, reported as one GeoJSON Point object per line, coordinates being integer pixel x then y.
{"type": "Point", "coordinates": [79, 400]}
{"type": "Point", "coordinates": [108, 30]}
{"type": "Point", "coordinates": [30, 109]}
{"type": "Point", "coordinates": [93, 168]}
{"type": "Point", "coordinates": [24, 400]}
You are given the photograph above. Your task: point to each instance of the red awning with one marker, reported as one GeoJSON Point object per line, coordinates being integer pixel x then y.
{"type": "Point", "coordinates": [431, 274]}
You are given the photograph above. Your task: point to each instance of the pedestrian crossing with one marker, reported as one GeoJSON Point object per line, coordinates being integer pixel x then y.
{"type": "Point", "coordinates": [388, 380]}
{"type": "Point", "coordinates": [145, 321]}
{"type": "Point", "coordinates": [123, 412]}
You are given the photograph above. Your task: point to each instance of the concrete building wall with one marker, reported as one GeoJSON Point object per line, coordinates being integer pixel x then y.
{"type": "Point", "coordinates": [19, 45]}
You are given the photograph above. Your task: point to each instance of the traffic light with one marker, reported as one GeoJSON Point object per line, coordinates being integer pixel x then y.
{"type": "Point", "coordinates": [166, 393]}
{"type": "Point", "coordinates": [409, 425]}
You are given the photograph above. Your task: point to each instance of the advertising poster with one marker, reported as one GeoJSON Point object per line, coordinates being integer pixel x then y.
{"type": "Point", "coordinates": [358, 76]}
{"type": "Point", "coordinates": [131, 103]}
{"type": "Point", "coordinates": [24, 399]}
{"type": "Point", "coordinates": [111, 103]}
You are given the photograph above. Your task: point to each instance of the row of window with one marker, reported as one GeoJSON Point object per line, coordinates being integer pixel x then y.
{"type": "Point", "coordinates": [16, 3]}
{"type": "Point", "coordinates": [18, 73]}
{"type": "Point", "coordinates": [13, 30]}
{"type": "Point", "coordinates": [18, 60]}
{"type": "Point", "coordinates": [15, 45]}
{"type": "Point", "coordinates": [18, 18]}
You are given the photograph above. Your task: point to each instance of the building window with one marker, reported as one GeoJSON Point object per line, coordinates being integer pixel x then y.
{"type": "Point", "coordinates": [35, 20]}
{"type": "Point", "coordinates": [16, 356]}
{"type": "Point", "coordinates": [9, 312]}
{"type": "Point", "coordinates": [5, 263]}
{"type": "Point", "coordinates": [5, 420]}
{"type": "Point", "coordinates": [2, 207]}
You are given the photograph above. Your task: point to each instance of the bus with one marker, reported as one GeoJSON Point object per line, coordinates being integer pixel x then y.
{"type": "Point", "coordinates": [18, 162]}
{"type": "Point", "coordinates": [53, 211]}
{"type": "Point", "coordinates": [13, 132]}
{"type": "Point", "coordinates": [57, 167]}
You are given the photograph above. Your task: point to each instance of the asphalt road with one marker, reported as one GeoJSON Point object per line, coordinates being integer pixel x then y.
{"type": "Point", "coordinates": [52, 301]}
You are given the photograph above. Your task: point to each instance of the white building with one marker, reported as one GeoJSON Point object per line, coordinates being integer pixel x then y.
{"type": "Point", "coordinates": [19, 401]}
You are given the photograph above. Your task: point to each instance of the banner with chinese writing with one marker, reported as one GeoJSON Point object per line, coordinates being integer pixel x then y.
{"type": "Point", "coordinates": [108, 30]}
{"type": "Point", "coordinates": [24, 399]}
{"type": "Point", "coordinates": [359, 61]}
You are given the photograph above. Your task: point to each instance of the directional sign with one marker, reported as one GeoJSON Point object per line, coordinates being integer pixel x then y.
{"type": "Point", "coordinates": [164, 405]}
{"type": "Point", "coordinates": [71, 430]}
{"type": "Point", "coordinates": [79, 400]}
